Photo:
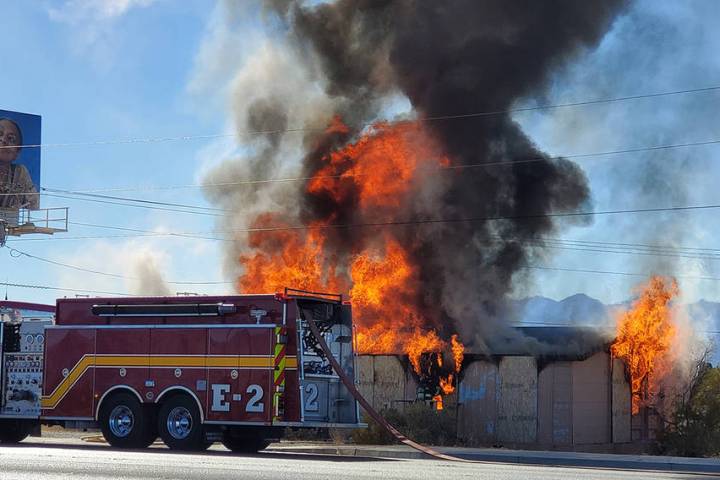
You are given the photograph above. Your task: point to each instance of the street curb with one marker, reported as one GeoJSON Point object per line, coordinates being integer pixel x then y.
{"type": "Point", "coordinates": [509, 458]}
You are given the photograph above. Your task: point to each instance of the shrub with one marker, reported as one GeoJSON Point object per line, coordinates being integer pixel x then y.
{"type": "Point", "coordinates": [417, 421]}
{"type": "Point", "coordinates": [694, 429]}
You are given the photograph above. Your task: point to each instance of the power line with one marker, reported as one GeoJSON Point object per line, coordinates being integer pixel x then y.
{"type": "Point", "coordinates": [138, 200]}
{"type": "Point", "coordinates": [104, 237]}
{"type": "Point", "coordinates": [619, 250]}
{"type": "Point", "coordinates": [691, 252]}
{"type": "Point", "coordinates": [609, 272]}
{"type": "Point", "coordinates": [611, 248]}
{"type": "Point", "coordinates": [74, 290]}
{"type": "Point", "coordinates": [640, 245]}
{"type": "Point", "coordinates": [147, 232]}
{"type": "Point", "coordinates": [532, 159]}
{"type": "Point", "coordinates": [17, 253]}
{"type": "Point", "coordinates": [547, 242]}
{"type": "Point", "coordinates": [575, 104]}
{"type": "Point", "coordinates": [439, 220]}
{"type": "Point", "coordinates": [431, 118]}
{"type": "Point", "coordinates": [147, 207]}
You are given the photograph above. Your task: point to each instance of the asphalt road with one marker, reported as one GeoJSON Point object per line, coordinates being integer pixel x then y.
{"type": "Point", "coordinates": [38, 460]}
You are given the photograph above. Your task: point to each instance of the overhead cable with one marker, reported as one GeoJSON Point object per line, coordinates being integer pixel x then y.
{"type": "Point", "coordinates": [439, 220]}
{"type": "Point", "coordinates": [75, 290]}
{"type": "Point", "coordinates": [18, 253]}
{"type": "Point", "coordinates": [429, 118]}
{"type": "Point", "coordinates": [609, 247]}
{"type": "Point", "coordinates": [609, 272]}
{"type": "Point", "coordinates": [531, 159]}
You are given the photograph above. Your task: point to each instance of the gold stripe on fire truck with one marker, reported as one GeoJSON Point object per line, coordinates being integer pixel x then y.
{"type": "Point", "coordinates": [158, 361]}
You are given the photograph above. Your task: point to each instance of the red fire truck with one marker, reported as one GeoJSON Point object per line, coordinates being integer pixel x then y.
{"type": "Point", "coordinates": [191, 370]}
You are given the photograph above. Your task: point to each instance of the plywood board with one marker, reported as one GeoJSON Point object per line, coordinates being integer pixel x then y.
{"type": "Point", "coordinates": [555, 404]}
{"type": "Point", "coordinates": [591, 400]}
{"type": "Point", "coordinates": [366, 376]}
{"type": "Point", "coordinates": [517, 405]}
{"type": "Point", "coordinates": [621, 403]}
{"type": "Point", "coordinates": [389, 383]}
{"type": "Point", "coordinates": [477, 402]}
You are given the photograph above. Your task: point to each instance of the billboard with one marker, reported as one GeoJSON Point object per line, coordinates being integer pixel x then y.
{"type": "Point", "coordinates": [19, 161]}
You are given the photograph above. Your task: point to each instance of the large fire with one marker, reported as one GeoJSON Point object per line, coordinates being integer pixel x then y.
{"type": "Point", "coordinates": [644, 339]}
{"type": "Point", "coordinates": [378, 170]}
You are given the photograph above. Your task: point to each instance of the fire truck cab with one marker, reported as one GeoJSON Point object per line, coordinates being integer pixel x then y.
{"type": "Point", "coordinates": [190, 370]}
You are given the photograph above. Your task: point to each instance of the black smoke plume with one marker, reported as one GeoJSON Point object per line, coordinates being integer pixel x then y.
{"type": "Point", "coordinates": [449, 58]}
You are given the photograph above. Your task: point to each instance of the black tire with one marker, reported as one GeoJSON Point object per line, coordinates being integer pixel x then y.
{"type": "Point", "coordinates": [14, 431]}
{"type": "Point", "coordinates": [151, 433]}
{"type": "Point", "coordinates": [179, 424]}
{"type": "Point", "coordinates": [124, 422]}
{"type": "Point", "coordinates": [239, 441]}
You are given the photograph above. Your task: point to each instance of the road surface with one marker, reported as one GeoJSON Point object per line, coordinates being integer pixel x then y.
{"type": "Point", "coordinates": [37, 459]}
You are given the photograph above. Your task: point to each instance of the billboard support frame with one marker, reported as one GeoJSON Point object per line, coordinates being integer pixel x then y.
{"type": "Point", "coordinates": [47, 221]}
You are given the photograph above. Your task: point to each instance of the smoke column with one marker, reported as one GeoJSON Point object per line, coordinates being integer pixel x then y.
{"type": "Point", "coordinates": [349, 60]}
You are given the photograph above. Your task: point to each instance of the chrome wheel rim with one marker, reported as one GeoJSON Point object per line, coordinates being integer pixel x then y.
{"type": "Point", "coordinates": [121, 421]}
{"type": "Point", "coordinates": [179, 423]}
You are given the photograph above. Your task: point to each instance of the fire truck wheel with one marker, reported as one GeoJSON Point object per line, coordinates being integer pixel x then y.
{"type": "Point", "coordinates": [13, 431]}
{"type": "Point", "coordinates": [123, 422]}
{"type": "Point", "coordinates": [179, 424]}
{"type": "Point", "coordinates": [239, 442]}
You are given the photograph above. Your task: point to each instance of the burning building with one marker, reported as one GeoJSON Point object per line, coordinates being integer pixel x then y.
{"type": "Point", "coordinates": [557, 386]}
{"type": "Point", "coordinates": [425, 214]}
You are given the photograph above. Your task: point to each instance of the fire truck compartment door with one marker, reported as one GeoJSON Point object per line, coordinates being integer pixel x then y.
{"type": "Point", "coordinates": [324, 397]}
{"type": "Point", "coordinates": [316, 405]}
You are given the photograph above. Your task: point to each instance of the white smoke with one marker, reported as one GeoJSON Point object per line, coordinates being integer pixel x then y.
{"type": "Point", "coordinates": [271, 93]}
{"type": "Point", "coordinates": [140, 262]}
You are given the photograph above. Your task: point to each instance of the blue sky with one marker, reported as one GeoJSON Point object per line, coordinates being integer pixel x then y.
{"type": "Point", "coordinates": [100, 75]}
{"type": "Point", "coordinates": [117, 69]}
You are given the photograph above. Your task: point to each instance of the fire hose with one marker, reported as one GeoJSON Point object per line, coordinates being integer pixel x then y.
{"type": "Point", "coordinates": [350, 385]}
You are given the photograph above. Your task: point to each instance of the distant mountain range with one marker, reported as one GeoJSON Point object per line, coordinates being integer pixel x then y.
{"type": "Point", "coordinates": [582, 310]}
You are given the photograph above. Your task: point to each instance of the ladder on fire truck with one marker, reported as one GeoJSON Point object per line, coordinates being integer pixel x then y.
{"type": "Point", "coordinates": [46, 221]}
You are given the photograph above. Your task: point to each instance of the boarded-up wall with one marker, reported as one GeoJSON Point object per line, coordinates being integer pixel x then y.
{"type": "Point", "coordinates": [384, 382]}
{"type": "Point", "coordinates": [621, 403]}
{"type": "Point", "coordinates": [389, 382]}
{"type": "Point", "coordinates": [591, 400]}
{"type": "Point", "coordinates": [517, 402]}
{"type": "Point", "coordinates": [477, 402]}
{"type": "Point", "coordinates": [366, 376]}
{"type": "Point", "coordinates": [555, 404]}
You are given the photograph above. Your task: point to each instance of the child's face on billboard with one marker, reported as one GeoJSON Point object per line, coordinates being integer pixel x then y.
{"type": "Point", "coordinates": [9, 137]}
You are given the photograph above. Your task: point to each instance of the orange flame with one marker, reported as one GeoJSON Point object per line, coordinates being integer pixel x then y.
{"type": "Point", "coordinates": [446, 385]}
{"type": "Point", "coordinates": [381, 164]}
{"type": "Point", "coordinates": [299, 262]}
{"type": "Point", "coordinates": [645, 335]}
{"type": "Point", "coordinates": [438, 402]}
{"type": "Point", "coordinates": [458, 350]}
{"type": "Point", "coordinates": [377, 171]}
